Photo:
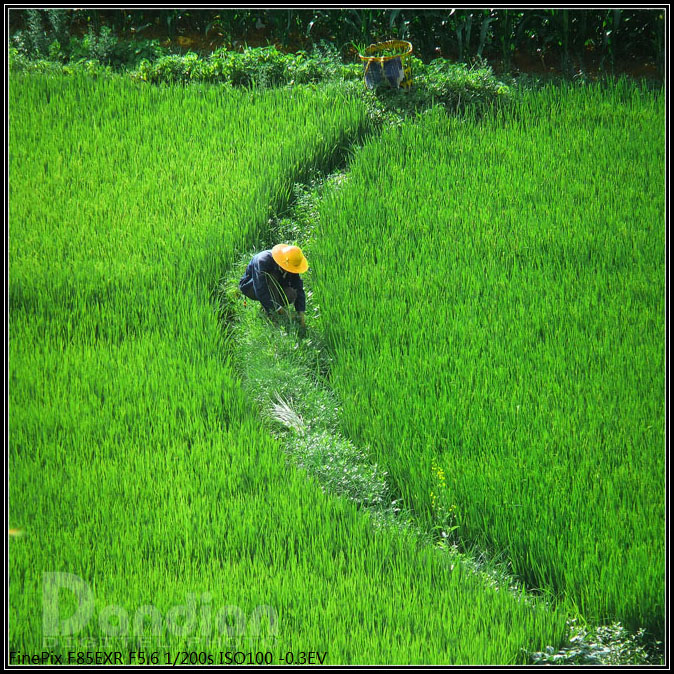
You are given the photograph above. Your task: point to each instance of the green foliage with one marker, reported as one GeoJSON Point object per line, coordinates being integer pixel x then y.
{"type": "Point", "coordinates": [454, 87]}
{"type": "Point", "coordinates": [94, 46]}
{"type": "Point", "coordinates": [19, 63]}
{"type": "Point", "coordinates": [259, 66]}
{"type": "Point", "coordinates": [606, 645]}
{"type": "Point", "coordinates": [108, 49]}
{"type": "Point", "coordinates": [567, 38]}
{"type": "Point", "coordinates": [36, 38]}
{"type": "Point", "coordinates": [48, 36]}
{"type": "Point", "coordinates": [59, 22]}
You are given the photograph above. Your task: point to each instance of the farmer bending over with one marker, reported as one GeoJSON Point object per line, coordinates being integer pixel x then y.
{"type": "Point", "coordinates": [273, 279]}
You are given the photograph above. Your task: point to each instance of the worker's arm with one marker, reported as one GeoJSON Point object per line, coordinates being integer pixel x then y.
{"type": "Point", "coordinates": [301, 299]}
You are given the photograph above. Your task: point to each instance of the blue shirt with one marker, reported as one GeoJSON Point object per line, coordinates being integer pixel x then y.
{"type": "Point", "coordinates": [253, 283]}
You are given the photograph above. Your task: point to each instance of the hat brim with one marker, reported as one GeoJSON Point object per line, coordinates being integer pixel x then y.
{"type": "Point", "coordinates": [282, 262]}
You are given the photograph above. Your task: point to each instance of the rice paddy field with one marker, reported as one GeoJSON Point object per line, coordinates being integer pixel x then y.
{"type": "Point", "coordinates": [492, 294]}
{"type": "Point", "coordinates": [137, 465]}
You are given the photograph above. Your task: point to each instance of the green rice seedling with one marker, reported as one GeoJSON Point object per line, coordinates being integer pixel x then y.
{"type": "Point", "coordinates": [148, 492]}
{"type": "Point", "coordinates": [493, 297]}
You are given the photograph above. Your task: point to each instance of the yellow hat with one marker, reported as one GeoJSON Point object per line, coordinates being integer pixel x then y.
{"type": "Point", "coordinates": [289, 258]}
